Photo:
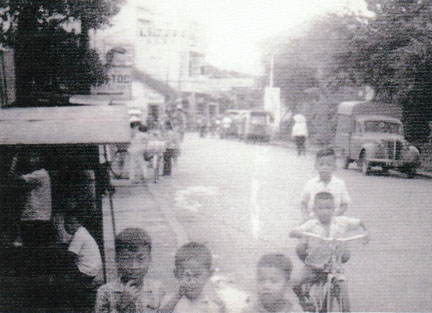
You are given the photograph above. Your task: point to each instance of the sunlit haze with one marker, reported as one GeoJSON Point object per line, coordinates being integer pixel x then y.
{"type": "Point", "coordinates": [234, 27]}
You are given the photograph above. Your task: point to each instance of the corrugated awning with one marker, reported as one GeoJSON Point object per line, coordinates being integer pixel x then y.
{"type": "Point", "coordinates": [64, 125]}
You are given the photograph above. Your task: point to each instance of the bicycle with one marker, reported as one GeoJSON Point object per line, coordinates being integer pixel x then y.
{"type": "Point", "coordinates": [322, 293]}
{"type": "Point", "coordinates": [156, 149]}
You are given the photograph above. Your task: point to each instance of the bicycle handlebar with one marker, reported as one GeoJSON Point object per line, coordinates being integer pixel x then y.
{"type": "Point", "coordinates": [356, 237]}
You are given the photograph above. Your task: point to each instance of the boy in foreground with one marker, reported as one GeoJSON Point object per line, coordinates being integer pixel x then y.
{"type": "Point", "coordinates": [325, 164]}
{"type": "Point", "coordinates": [318, 253]}
{"type": "Point", "coordinates": [193, 269]}
{"type": "Point", "coordinates": [273, 283]}
{"type": "Point", "coordinates": [131, 292]}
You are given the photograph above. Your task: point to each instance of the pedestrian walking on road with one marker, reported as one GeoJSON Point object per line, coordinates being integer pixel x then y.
{"type": "Point", "coordinates": [300, 133]}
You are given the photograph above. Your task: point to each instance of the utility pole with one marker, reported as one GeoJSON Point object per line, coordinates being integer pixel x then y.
{"type": "Point", "coordinates": [271, 70]}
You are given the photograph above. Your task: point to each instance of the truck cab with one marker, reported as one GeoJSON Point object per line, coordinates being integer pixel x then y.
{"type": "Point", "coordinates": [371, 134]}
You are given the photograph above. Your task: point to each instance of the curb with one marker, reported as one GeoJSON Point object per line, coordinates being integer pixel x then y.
{"type": "Point", "coordinates": [424, 174]}
{"type": "Point", "coordinates": [169, 213]}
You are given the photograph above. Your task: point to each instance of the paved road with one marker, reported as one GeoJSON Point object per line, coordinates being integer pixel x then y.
{"type": "Point", "coordinates": [242, 199]}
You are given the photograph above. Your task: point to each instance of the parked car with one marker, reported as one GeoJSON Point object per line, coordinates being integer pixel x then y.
{"type": "Point", "coordinates": [256, 124]}
{"type": "Point", "coordinates": [371, 134]}
{"type": "Point", "coordinates": [231, 129]}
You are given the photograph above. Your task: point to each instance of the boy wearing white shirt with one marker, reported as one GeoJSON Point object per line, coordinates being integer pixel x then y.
{"type": "Point", "coordinates": [325, 164]}
{"type": "Point", "coordinates": [86, 263]}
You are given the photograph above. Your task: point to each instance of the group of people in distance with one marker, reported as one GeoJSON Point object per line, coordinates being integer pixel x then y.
{"type": "Point", "coordinates": [141, 135]}
{"type": "Point", "coordinates": [324, 201]}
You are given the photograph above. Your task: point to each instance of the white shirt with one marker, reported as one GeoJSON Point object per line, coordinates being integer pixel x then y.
{"type": "Point", "coordinates": [335, 186]}
{"type": "Point", "coordinates": [89, 258]}
{"type": "Point", "coordinates": [208, 302]}
{"type": "Point", "coordinates": [299, 129]}
{"type": "Point", "coordinates": [138, 143]}
{"type": "Point", "coordinates": [318, 251]}
{"type": "Point", "coordinates": [38, 203]}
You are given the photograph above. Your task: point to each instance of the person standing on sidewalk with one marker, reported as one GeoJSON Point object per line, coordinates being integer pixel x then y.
{"type": "Point", "coordinates": [300, 133]}
{"type": "Point", "coordinates": [137, 149]}
{"type": "Point", "coordinates": [171, 142]}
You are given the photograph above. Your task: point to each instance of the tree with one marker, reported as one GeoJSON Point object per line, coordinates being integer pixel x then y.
{"type": "Point", "coordinates": [49, 53]}
{"type": "Point", "coordinates": [393, 53]}
{"type": "Point", "coordinates": [305, 70]}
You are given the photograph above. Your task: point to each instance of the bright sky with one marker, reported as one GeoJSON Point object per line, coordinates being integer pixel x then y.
{"type": "Point", "coordinates": [234, 27]}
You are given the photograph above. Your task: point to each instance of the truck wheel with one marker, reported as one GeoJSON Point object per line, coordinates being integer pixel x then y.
{"type": "Point", "coordinates": [346, 163]}
{"type": "Point", "coordinates": [411, 172]}
{"type": "Point", "coordinates": [364, 165]}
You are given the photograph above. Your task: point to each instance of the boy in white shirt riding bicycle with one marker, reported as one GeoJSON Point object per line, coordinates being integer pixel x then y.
{"type": "Point", "coordinates": [318, 253]}
{"type": "Point", "coordinates": [325, 164]}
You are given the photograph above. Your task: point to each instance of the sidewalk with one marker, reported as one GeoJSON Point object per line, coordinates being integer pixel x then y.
{"type": "Point", "coordinates": [152, 208]}
{"type": "Point", "coordinates": [136, 206]}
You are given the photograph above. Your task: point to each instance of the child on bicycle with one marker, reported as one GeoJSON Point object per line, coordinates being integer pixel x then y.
{"type": "Point", "coordinates": [273, 283]}
{"type": "Point", "coordinates": [325, 164]}
{"type": "Point", "coordinates": [318, 253]}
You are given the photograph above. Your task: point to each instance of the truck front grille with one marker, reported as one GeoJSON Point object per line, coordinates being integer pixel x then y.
{"type": "Point", "coordinates": [394, 150]}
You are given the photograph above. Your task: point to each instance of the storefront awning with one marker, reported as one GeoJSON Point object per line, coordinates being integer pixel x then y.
{"type": "Point", "coordinates": [64, 125]}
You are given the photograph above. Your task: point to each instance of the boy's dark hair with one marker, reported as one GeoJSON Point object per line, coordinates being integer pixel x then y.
{"type": "Point", "coordinates": [325, 152]}
{"type": "Point", "coordinates": [73, 215]}
{"type": "Point", "coordinates": [142, 128]}
{"type": "Point", "coordinates": [278, 261]}
{"type": "Point", "coordinates": [193, 251]}
{"type": "Point", "coordinates": [131, 239]}
{"type": "Point", "coordinates": [324, 195]}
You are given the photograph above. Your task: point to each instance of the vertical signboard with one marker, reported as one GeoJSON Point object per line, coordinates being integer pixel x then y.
{"type": "Point", "coordinates": [272, 102]}
{"type": "Point", "coordinates": [119, 60]}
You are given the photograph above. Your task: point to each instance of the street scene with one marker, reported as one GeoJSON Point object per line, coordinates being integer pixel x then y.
{"type": "Point", "coordinates": [242, 200]}
{"type": "Point", "coordinates": [237, 156]}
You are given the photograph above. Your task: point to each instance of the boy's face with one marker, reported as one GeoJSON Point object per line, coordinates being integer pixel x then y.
{"type": "Point", "coordinates": [34, 159]}
{"type": "Point", "coordinates": [71, 225]}
{"type": "Point", "coordinates": [271, 286]}
{"type": "Point", "coordinates": [133, 265]}
{"type": "Point", "coordinates": [325, 166]}
{"type": "Point", "coordinates": [324, 209]}
{"type": "Point", "coordinates": [193, 276]}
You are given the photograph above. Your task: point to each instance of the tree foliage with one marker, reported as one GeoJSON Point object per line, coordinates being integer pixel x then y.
{"type": "Point", "coordinates": [390, 50]}
{"type": "Point", "coordinates": [51, 42]}
{"type": "Point", "coordinates": [393, 53]}
{"type": "Point", "coordinates": [307, 70]}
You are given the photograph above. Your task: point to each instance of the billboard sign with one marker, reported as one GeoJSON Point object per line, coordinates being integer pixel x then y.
{"type": "Point", "coordinates": [119, 85]}
{"type": "Point", "coordinates": [119, 54]}
{"type": "Point", "coordinates": [119, 60]}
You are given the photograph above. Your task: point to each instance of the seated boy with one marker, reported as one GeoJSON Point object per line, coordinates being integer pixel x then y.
{"type": "Point", "coordinates": [273, 277]}
{"type": "Point", "coordinates": [86, 261]}
{"type": "Point", "coordinates": [131, 292]}
{"type": "Point", "coordinates": [193, 269]}
{"type": "Point", "coordinates": [36, 211]}
{"type": "Point", "coordinates": [318, 253]}
{"type": "Point", "coordinates": [325, 164]}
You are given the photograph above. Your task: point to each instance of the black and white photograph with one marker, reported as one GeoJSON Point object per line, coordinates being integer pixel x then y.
{"type": "Point", "coordinates": [215, 156]}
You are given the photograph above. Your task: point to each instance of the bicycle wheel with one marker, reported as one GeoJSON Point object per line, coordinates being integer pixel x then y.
{"type": "Point", "coordinates": [316, 295]}
{"type": "Point", "coordinates": [339, 297]}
